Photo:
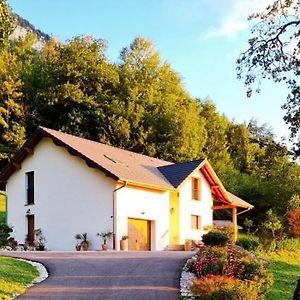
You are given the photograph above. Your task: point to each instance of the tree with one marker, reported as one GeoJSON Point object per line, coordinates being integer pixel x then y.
{"type": "Point", "coordinates": [7, 23]}
{"type": "Point", "coordinates": [272, 223]}
{"type": "Point", "coordinates": [248, 223]}
{"type": "Point", "coordinates": [244, 153]}
{"type": "Point", "coordinates": [293, 218]}
{"type": "Point", "coordinates": [293, 215]}
{"type": "Point", "coordinates": [69, 87]}
{"type": "Point", "coordinates": [294, 203]}
{"type": "Point", "coordinates": [12, 111]}
{"type": "Point", "coordinates": [162, 119]}
{"type": "Point", "coordinates": [216, 146]}
{"type": "Point", "coordinates": [274, 53]}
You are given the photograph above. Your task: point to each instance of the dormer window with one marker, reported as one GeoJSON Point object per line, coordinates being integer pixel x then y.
{"type": "Point", "coordinates": [30, 187]}
{"type": "Point", "coordinates": [195, 188]}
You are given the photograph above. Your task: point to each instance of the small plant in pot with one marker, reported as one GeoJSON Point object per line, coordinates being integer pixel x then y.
{"type": "Point", "coordinates": [40, 240]}
{"type": "Point", "coordinates": [84, 243]}
{"type": "Point", "coordinates": [105, 235]}
{"type": "Point", "coordinates": [78, 238]}
{"type": "Point", "coordinates": [123, 242]}
{"type": "Point", "coordinates": [188, 245]}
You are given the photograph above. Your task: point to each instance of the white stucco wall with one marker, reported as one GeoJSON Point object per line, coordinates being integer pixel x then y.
{"type": "Point", "coordinates": [144, 204]}
{"type": "Point", "coordinates": [70, 198]}
{"type": "Point", "coordinates": [188, 207]}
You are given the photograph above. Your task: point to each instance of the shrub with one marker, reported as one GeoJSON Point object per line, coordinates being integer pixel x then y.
{"type": "Point", "coordinates": [215, 263]}
{"type": "Point", "coordinates": [208, 265]}
{"type": "Point", "coordinates": [248, 242]}
{"type": "Point", "coordinates": [256, 270]}
{"type": "Point", "coordinates": [293, 218]}
{"type": "Point", "coordinates": [5, 231]}
{"type": "Point", "coordinates": [215, 238]}
{"type": "Point", "coordinates": [272, 223]}
{"type": "Point", "coordinates": [223, 288]}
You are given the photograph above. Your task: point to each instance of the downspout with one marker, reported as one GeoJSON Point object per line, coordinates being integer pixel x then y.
{"type": "Point", "coordinates": [114, 213]}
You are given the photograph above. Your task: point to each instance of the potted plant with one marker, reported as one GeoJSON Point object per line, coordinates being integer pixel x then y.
{"type": "Point", "coordinates": [40, 240]}
{"type": "Point", "coordinates": [78, 237]}
{"type": "Point", "coordinates": [123, 242]}
{"type": "Point", "coordinates": [188, 245]}
{"type": "Point", "coordinates": [105, 235]}
{"type": "Point", "coordinates": [84, 244]}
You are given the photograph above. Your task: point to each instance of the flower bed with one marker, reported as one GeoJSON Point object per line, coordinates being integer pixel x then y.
{"type": "Point", "coordinates": [225, 272]}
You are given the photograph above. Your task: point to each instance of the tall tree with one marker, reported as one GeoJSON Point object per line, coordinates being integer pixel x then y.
{"type": "Point", "coordinates": [7, 23]}
{"type": "Point", "coordinates": [12, 111]}
{"type": "Point", "coordinates": [216, 146]}
{"type": "Point", "coordinates": [163, 120]}
{"type": "Point", "coordinates": [244, 153]}
{"type": "Point", "coordinates": [69, 87]}
{"type": "Point", "coordinates": [274, 53]}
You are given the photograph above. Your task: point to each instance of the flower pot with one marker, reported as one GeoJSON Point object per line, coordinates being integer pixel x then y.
{"type": "Point", "coordinates": [78, 247]}
{"type": "Point", "coordinates": [104, 247]}
{"type": "Point", "coordinates": [123, 245]}
{"type": "Point", "coordinates": [85, 246]}
{"type": "Point", "coordinates": [188, 245]}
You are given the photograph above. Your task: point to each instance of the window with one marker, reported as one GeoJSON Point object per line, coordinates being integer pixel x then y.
{"type": "Point", "coordinates": [196, 188]}
{"type": "Point", "coordinates": [30, 187]}
{"type": "Point", "coordinates": [196, 222]}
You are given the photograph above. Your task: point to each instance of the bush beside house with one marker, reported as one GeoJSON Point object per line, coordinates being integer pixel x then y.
{"type": "Point", "coordinates": [226, 271]}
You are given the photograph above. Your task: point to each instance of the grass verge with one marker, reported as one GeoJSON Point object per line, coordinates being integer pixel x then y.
{"type": "Point", "coordinates": [15, 275]}
{"type": "Point", "coordinates": [285, 266]}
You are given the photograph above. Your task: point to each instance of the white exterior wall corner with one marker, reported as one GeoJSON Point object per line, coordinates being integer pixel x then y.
{"type": "Point", "coordinates": [188, 207]}
{"type": "Point", "coordinates": [69, 198]}
{"type": "Point", "coordinates": [139, 203]}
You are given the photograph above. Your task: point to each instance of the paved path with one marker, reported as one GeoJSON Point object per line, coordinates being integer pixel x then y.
{"type": "Point", "coordinates": [107, 275]}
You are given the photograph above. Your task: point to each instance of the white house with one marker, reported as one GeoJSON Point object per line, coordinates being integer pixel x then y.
{"type": "Point", "coordinates": [66, 185]}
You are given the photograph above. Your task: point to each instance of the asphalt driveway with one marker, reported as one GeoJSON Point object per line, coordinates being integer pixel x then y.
{"type": "Point", "coordinates": [107, 275]}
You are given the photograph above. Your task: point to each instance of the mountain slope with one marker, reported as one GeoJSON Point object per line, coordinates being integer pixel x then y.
{"type": "Point", "coordinates": [23, 27]}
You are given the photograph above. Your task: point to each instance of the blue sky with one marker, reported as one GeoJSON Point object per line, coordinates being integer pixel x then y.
{"type": "Point", "coordinates": [200, 38]}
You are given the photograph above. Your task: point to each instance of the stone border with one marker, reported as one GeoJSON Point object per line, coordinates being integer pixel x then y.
{"type": "Point", "coordinates": [43, 273]}
{"type": "Point", "coordinates": [186, 279]}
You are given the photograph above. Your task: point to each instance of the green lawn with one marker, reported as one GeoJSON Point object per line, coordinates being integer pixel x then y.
{"type": "Point", "coordinates": [14, 276]}
{"type": "Point", "coordinates": [2, 209]}
{"type": "Point", "coordinates": [285, 266]}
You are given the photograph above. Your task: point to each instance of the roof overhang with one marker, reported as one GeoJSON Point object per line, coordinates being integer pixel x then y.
{"type": "Point", "coordinates": [218, 190]}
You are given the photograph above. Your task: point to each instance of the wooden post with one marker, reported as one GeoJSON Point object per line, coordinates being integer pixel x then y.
{"type": "Point", "coordinates": [234, 222]}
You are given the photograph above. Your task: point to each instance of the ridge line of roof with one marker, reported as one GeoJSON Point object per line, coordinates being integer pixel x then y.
{"type": "Point", "coordinates": [94, 142]}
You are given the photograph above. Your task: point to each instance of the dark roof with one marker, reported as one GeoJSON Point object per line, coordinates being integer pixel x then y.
{"type": "Point", "coordinates": [177, 173]}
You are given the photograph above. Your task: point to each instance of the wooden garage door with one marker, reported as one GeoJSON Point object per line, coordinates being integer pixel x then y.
{"type": "Point", "coordinates": [139, 234]}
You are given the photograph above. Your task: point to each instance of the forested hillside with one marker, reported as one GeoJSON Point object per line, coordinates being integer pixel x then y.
{"type": "Point", "coordinates": [137, 103]}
